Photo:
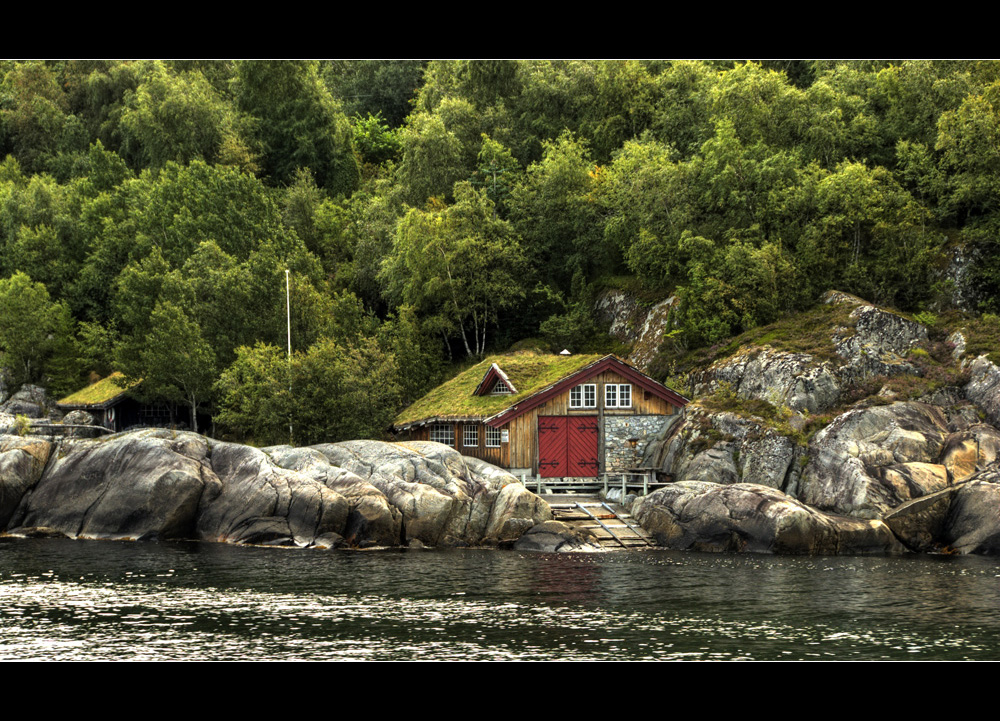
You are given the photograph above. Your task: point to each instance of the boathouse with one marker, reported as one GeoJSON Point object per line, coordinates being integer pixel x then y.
{"type": "Point", "coordinates": [554, 416]}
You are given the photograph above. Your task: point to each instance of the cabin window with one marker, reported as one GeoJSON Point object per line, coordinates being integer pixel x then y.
{"type": "Point", "coordinates": [618, 395]}
{"type": "Point", "coordinates": [501, 388]}
{"type": "Point", "coordinates": [470, 436]}
{"type": "Point", "coordinates": [443, 433]}
{"type": "Point", "coordinates": [583, 396]}
{"type": "Point", "coordinates": [492, 437]}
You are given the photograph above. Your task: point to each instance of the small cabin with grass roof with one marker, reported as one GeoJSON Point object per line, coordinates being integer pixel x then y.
{"type": "Point", "coordinates": [108, 400]}
{"type": "Point", "coordinates": [550, 415]}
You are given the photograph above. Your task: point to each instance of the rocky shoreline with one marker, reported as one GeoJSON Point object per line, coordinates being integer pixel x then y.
{"type": "Point", "coordinates": [885, 475]}
{"type": "Point", "coordinates": [161, 485]}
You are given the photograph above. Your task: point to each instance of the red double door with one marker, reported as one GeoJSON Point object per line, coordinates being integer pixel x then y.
{"type": "Point", "coordinates": [567, 446]}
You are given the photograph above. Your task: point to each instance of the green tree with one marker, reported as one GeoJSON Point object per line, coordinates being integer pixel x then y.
{"type": "Point", "coordinates": [374, 140]}
{"type": "Point", "coordinates": [761, 105]}
{"type": "Point", "coordinates": [32, 328]}
{"type": "Point", "coordinates": [458, 266]}
{"type": "Point", "coordinates": [433, 159]}
{"type": "Point", "coordinates": [555, 210]}
{"type": "Point", "coordinates": [328, 393]}
{"type": "Point", "coordinates": [344, 392]}
{"type": "Point", "coordinates": [681, 118]}
{"type": "Point", "coordinates": [497, 171]}
{"type": "Point", "coordinates": [418, 354]}
{"type": "Point", "coordinates": [173, 360]}
{"type": "Point", "coordinates": [298, 123]}
{"type": "Point", "coordinates": [375, 87]}
{"type": "Point", "coordinates": [34, 111]}
{"type": "Point", "coordinates": [732, 287]}
{"type": "Point", "coordinates": [870, 238]}
{"type": "Point", "coordinates": [177, 117]}
{"type": "Point", "coordinates": [254, 395]}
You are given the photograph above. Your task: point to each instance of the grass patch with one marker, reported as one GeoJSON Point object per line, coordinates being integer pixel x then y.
{"type": "Point", "coordinates": [100, 392]}
{"type": "Point", "coordinates": [808, 332]}
{"type": "Point", "coordinates": [22, 425]}
{"type": "Point", "coordinates": [982, 335]}
{"type": "Point", "coordinates": [774, 417]}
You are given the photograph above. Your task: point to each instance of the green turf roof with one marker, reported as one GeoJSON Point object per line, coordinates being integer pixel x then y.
{"type": "Point", "coordinates": [98, 393]}
{"type": "Point", "coordinates": [529, 372]}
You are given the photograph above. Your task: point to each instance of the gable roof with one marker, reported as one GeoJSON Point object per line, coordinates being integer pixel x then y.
{"type": "Point", "coordinates": [489, 381]}
{"type": "Point", "coordinates": [608, 362]}
{"type": "Point", "coordinates": [455, 399]}
{"type": "Point", "coordinates": [538, 378]}
{"type": "Point", "coordinates": [98, 395]}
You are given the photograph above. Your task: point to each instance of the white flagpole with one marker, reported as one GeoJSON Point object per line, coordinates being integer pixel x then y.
{"type": "Point", "coordinates": [288, 318]}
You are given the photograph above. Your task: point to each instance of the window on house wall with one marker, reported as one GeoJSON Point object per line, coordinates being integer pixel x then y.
{"type": "Point", "coordinates": [501, 388]}
{"type": "Point", "coordinates": [618, 395]}
{"type": "Point", "coordinates": [583, 396]}
{"type": "Point", "coordinates": [470, 436]}
{"type": "Point", "coordinates": [443, 433]}
{"type": "Point", "coordinates": [492, 437]}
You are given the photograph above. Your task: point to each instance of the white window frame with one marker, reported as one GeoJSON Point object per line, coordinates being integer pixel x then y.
{"type": "Point", "coordinates": [492, 437]}
{"type": "Point", "coordinates": [443, 433]}
{"type": "Point", "coordinates": [578, 396]}
{"type": "Point", "coordinates": [470, 432]}
{"type": "Point", "coordinates": [615, 393]}
{"type": "Point", "coordinates": [500, 388]}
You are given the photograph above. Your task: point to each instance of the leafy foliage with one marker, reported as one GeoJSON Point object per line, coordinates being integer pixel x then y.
{"type": "Point", "coordinates": [459, 266]}
{"type": "Point", "coordinates": [34, 331]}
{"type": "Point", "coordinates": [473, 204]}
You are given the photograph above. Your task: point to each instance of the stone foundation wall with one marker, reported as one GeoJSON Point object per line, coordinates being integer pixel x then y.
{"type": "Point", "coordinates": [618, 453]}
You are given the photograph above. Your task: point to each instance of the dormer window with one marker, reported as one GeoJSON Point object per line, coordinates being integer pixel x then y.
{"type": "Point", "coordinates": [501, 388]}
{"type": "Point", "coordinates": [494, 383]}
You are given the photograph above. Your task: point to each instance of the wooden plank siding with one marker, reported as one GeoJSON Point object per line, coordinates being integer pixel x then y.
{"type": "Point", "coordinates": [497, 456]}
{"type": "Point", "coordinates": [524, 428]}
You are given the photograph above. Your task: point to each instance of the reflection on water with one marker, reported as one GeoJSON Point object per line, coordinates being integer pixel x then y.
{"type": "Point", "coordinates": [105, 600]}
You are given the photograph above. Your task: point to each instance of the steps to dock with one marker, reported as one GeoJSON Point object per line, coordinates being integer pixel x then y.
{"type": "Point", "coordinates": [611, 525]}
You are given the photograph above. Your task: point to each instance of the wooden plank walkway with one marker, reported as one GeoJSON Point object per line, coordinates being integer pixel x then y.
{"type": "Point", "coordinates": [611, 525]}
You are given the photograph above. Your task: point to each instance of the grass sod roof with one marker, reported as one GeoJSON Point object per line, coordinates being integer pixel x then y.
{"type": "Point", "coordinates": [529, 372]}
{"type": "Point", "coordinates": [100, 393]}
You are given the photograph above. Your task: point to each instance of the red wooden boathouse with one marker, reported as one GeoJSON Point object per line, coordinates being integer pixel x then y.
{"type": "Point", "coordinates": [548, 415]}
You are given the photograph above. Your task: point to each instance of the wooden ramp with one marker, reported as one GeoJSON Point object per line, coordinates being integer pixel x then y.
{"type": "Point", "coordinates": [613, 527]}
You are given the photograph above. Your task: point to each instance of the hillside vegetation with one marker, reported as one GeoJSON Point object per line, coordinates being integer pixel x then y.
{"type": "Point", "coordinates": [430, 213]}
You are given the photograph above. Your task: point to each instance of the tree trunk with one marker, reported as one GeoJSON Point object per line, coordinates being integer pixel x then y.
{"type": "Point", "coordinates": [194, 414]}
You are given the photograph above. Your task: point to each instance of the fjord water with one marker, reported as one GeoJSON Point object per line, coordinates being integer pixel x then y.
{"type": "Point", "coordinates": [62, 599]}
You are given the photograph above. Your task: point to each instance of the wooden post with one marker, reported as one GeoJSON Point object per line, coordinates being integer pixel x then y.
{"type": "Point", "coordinates": [602, 463]}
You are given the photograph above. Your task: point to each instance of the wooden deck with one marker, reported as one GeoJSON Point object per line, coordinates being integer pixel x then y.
{"type": "Point", "coordinates": [640, 482]}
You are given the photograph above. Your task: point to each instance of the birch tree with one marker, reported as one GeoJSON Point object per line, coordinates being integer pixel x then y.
{"type": "Point", "coordinates": [458, 265]}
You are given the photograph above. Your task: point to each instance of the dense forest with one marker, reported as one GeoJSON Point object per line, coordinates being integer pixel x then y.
{"type": "Point", "coordinates": [429, 212]}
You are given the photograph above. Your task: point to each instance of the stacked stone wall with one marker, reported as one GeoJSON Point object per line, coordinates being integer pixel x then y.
{"type": "Point", "coordinates": [618, 452]}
